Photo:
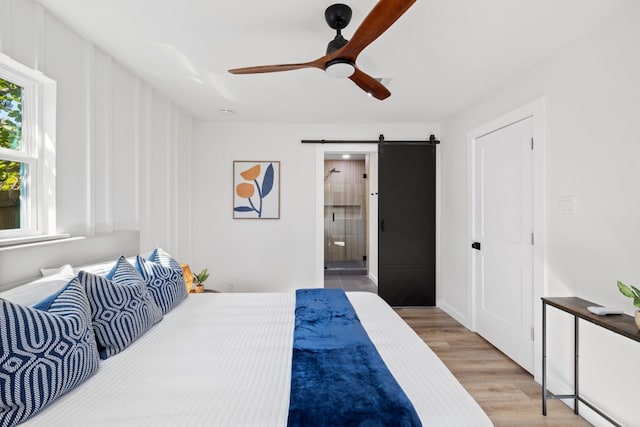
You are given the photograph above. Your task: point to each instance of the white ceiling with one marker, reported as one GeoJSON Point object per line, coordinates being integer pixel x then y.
{"type": "Point", "coordinates": [440, 56]}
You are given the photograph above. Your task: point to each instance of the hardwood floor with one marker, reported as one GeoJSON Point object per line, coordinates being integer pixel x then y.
{"type": "Point", "coordinates": [506, 392]}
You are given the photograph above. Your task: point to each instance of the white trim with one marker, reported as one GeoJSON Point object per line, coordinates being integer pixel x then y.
{"type": "Point", "coordinates": [40, 38]}
{"type": "Point", "coordinates": [183, 187]}
{"type": "Point", "coordinates": [173, 182]}
{"type": "Point", "coordinates": [39, 129]}
{"type": "Point", "coordinates": [107, 139]}
{"type": "Point", "coordinates": [5, 26]}
{"type": "Point", "coordinates": [456, 314]}
{"type": "Point", "coordinates": [90, 159]}
{"type": "Point", "coordinates": [47, 113]}
{"type": "Point", "coordinates": [144, 166]}
{"type": "Point", "coordinates": [32, 239]}
{"type": "Point", "coordinates": [137, 141]}
{"type": "Point", "coordinates": [535, 110]}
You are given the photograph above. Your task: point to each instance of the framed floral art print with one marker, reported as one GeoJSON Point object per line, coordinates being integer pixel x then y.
{"type": "Point", "coordinates": [256, 189]}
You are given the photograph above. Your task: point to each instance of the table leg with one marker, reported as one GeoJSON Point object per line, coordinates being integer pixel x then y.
{"type": "Point", "coordinates": [576, 352]}
{"type": "Point", "coordinates": [544, 358]}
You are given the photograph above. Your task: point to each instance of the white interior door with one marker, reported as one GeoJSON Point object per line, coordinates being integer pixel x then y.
{"type": "Point", "coordinates": [503, 226]}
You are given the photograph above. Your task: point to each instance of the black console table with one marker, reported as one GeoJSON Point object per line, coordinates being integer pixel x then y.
{"type": "Point", "coordinates": [621, 324]}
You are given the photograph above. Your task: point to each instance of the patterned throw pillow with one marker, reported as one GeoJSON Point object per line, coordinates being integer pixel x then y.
{"type": "Point", "coordinates": [45, 351]}
{"type": "Point", "coordinates": [165, 284]}
{"type": "Point", "coordinates": [121, 307]}
{"type": "Point", "coordinates": [161, 257]}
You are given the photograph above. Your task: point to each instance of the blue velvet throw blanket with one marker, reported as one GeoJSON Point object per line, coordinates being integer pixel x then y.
{"type": "Point", "coordinates": [337, 376]}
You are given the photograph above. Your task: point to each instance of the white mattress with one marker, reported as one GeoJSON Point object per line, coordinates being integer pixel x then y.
{"type": "Point", "coordinates": [225, 360]}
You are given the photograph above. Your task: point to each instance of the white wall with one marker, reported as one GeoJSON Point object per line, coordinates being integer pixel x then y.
{"type": "Point", "coordinates": [591, 88]}
{"type": "Point", "coordinates": [123, 150]}
{"type": "Point", "coordinates": [268, 255]}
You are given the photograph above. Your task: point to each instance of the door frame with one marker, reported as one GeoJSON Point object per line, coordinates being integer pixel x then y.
{"type": "Point", "coordinates": [535, 110]}
{"type": "Point", "coordinates": [372, 228]}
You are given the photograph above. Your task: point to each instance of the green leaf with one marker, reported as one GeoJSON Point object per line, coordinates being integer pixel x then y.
{"type": "Point", "coordinates": [202, 276]}
{"type": "Point", "coordinates": [625, 290]}
{"type": "Point", "coordinates": [636, 291]}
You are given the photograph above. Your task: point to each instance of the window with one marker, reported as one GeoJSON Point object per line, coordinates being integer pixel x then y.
{"type": "Point", "coordinates": [14, 165]}
{"type": "Point", "coordinates": [27, 152]}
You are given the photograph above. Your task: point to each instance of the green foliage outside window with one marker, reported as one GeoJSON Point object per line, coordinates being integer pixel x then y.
{"type": "Point", "coordinates": [10, 133]}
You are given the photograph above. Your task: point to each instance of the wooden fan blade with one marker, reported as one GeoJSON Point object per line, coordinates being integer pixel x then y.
{"type": "Point", "coordinates": [370, 85]}
{"type": "Point", "coordinates": [381, 17]}
{"type": "Point", "coordinates": [318, 63]}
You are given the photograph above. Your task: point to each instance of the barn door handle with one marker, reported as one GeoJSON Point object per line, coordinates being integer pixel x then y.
{"type": "Point", "coordinates": [476, 245]}
{"type": "Point", "coordinates": [333, 215]}
{"type": "Point", "coordinates": [382, 225]}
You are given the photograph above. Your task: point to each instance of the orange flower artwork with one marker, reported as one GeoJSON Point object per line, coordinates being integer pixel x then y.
{"type": "Point", "coordinates": [254, 182]}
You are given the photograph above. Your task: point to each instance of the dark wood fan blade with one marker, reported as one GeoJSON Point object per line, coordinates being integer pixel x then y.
{"type": "Point", "coordinates": [318, 63]}
{"type": "Point", "coordinates": [370, 85]}
{"type": "Point", "coordinates": [381, 17]}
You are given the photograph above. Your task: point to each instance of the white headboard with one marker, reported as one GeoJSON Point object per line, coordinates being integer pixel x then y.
{"type": "Point", "coordinates": [22, 263]}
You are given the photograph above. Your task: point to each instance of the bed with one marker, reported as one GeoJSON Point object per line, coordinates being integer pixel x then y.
{"type": "Point", "coordinates": [224, 359]}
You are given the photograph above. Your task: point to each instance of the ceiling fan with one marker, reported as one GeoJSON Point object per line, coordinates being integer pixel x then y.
{"type": "Point", "coordinates": [340, 58]}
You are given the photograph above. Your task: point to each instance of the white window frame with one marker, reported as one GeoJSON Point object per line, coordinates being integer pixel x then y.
{"type": "Point", "coordinates": [38, 151]}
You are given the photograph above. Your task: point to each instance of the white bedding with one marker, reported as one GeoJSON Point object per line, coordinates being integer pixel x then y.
{"type": "Point", "coordinates": [225, 359]}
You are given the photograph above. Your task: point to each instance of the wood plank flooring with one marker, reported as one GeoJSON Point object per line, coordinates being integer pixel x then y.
{"type": "Point", "coordinates": [506, 392]}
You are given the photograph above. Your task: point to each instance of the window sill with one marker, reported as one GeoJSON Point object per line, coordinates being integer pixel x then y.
{"type": "Point", "coordinates": [18, 241]}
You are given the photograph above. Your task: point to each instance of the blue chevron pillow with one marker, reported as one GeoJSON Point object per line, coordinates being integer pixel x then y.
{"type": "Point", "coordinates": [163, 258]}
{"type": "Point", "coordinates": [121, 307]}
{"type": "Point", "coordinates": [45, 351]}
{"type": "Point", "coordinates": [165, 284]}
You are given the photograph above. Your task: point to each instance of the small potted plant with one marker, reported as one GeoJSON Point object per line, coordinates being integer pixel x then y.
{"type": "Point", "coordinates": [199, 280]}
{"type": "Point", "coordinates": [634, 293]}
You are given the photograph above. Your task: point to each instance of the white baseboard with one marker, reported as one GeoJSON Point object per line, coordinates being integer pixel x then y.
{"type": "Point", "coordinates": [373, 278]}
{"type": "Point", "coordinates": [458, 316]}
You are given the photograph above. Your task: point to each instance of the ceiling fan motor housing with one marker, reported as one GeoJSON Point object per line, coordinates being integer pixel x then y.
{"type": "Point", "coordinates": [335, 44]}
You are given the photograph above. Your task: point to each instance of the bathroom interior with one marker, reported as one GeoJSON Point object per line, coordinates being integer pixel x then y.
{"type": "Point", "coordinates": [345, 214]}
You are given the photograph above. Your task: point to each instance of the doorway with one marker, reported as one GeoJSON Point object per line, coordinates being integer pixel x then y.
{"type": "Point", "coordinates": [369, 153]}
{"type": "Point", "coordinates": [345, 214]}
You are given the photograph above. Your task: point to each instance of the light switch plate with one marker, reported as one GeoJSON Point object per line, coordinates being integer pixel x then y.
{"type": "Point", "coordinates": [568, 204]}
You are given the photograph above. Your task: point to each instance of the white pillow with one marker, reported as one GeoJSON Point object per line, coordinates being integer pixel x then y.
{"type": "Point", "coordinates": [101, 268]}
{"type": "Point", "coordinates": [49, 271]}
{"type": "Point", "coordinates": [34, 292]}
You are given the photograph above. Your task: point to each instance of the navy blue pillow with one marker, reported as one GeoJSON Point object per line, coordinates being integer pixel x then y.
{"type": "Point", "coordinates": [163, 258]}
{"type": "Point", "coordinates": [165, 284]}
{"type": "Point", "coordinates": [122, 309]}
{"type": "Point", "coordinates": [45, 351]}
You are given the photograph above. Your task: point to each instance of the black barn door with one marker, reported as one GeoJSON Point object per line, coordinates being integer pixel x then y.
{"type": "Point", "coordinates": [407, 229]}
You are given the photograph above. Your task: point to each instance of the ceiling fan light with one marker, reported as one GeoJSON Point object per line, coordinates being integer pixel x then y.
{"type": "Point", "coordinates": [340, 69]}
